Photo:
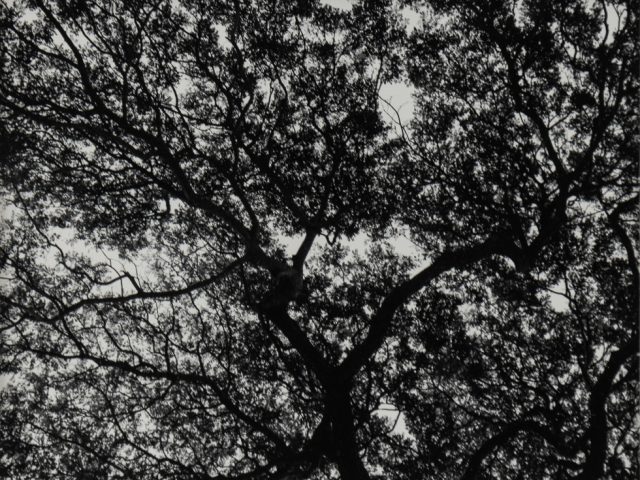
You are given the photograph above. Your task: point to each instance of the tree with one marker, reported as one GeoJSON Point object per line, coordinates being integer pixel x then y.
{"type": "Point", "coordinates": [204, 204]}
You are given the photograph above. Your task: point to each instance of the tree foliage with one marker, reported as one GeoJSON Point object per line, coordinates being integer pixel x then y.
{"type": "Point", "coordinates": [206, 207]}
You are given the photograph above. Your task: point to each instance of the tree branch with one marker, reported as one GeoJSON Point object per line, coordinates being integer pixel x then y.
{"type": "Point", "coordinates": [382, 320]}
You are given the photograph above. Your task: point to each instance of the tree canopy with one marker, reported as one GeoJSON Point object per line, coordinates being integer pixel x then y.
{"type": "Point", "coordinates": [225, 254]}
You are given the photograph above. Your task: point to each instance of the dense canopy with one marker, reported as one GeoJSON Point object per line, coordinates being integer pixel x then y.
{"type": "Point", "coordinates": [226, 251]}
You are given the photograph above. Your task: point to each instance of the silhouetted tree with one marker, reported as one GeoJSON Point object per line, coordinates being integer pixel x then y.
{"type": "Point", "coordinates": [205, 214]}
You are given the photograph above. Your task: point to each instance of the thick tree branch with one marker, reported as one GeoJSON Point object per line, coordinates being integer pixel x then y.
{"type": "Point", "coordinates": [598, 432]}
{"type": "Point", "coordinates": [383, 318]}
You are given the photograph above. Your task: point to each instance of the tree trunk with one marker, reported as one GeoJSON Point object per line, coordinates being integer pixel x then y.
{"type": "Point", "coordinates": [344, 449]}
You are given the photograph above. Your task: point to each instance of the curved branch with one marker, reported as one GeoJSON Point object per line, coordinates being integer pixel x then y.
{"type": "Point", "coordinates": [382, 320]}
{"type": "Point", "coordinates": [142, 295]}
{"type": "Point", "coordinates": [507, 433]}
{"type": "Point", "coordinates": [151, 372]}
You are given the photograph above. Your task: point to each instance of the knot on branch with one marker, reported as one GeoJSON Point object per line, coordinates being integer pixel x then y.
{"type": "Point", "coordinates": [287, 287]}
